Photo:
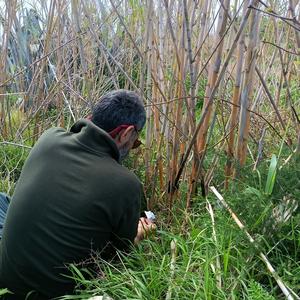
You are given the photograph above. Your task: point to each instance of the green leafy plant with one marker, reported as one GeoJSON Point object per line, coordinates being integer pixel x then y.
{"type": "Point", "coordinates": [257, 292]}
{"type": "Point", "coordinates": [4, 291]}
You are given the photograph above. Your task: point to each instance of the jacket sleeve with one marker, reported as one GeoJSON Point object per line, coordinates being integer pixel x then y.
{"type": "Point", "coordinates": [126, 230]}
{"type": "Point", "coordinates": [144, 205]}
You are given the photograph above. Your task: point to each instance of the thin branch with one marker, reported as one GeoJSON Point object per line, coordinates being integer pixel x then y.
{"type": "Point", "coordinates": [285, 50]}
{"type": "Point", "coordinates": [284, 19]}
{"type": "Point", "coordinates": [270, 97]}
{"type": "Point", "coordinates": [16, 144]}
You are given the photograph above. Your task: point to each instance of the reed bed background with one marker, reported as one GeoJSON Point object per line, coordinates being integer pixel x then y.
{"type": "Point", "coordinates": [215, 75]}
{"type": "Point", "coordinates": [219, 79]}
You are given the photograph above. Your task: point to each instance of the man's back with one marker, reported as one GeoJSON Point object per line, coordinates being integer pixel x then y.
{"type": "Point", "coordinates": [72, 198]}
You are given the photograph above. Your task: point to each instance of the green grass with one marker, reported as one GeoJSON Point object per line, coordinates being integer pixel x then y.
{"type": "Point", "coordinates": [12, 159]}
{"type": "Point", "coordinates": [146, 273]}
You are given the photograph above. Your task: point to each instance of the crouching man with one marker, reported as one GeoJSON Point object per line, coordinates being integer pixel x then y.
{"type": "Point", "coordinates": [73, 197]}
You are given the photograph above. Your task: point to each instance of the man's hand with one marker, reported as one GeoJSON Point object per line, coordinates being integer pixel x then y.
{"type": "Point", "coordinates": [145, 227]}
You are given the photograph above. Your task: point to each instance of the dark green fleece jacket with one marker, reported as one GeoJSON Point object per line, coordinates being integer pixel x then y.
{"type": "Point", "coordinates": [72, 198]}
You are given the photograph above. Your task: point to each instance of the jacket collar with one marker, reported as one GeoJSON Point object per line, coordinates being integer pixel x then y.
{"type": "Point", "coordinates": [95, 138]}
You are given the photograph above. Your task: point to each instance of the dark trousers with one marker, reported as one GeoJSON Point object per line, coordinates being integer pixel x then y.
{"type": "Point", "coordinates": [4, 203]}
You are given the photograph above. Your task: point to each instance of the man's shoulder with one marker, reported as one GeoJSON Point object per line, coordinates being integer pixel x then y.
{"type": "Point", "coordinates": [127, 175]}
{"type": "Point", "coordinates": [51, 134]}
{"type": "Point", "coordinates": [54, 131]}
{"type": "Point", "coordinates": [124, 178]}
{"type": "Point", "coordinates": [130, 177]}
{"type": "Point", "coordinates": [49, 139]}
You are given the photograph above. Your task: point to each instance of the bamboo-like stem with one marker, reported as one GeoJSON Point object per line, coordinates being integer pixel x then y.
{"type": "Point", "coordinates": [177, 107]}
{"type": "Point", "coordinates": [9, 13]}
{"type": "Point", "coordinates": [60, 58]}
{"type": "Point", "coordinates": [172, 268]}
{"type": "Point", "coordinates": [197, 58]}
{"type": "Point", "coordinates": [148, 41]}
{"type": "Point", "coordinates": [75, 14]}
{"type": "Point", "coordinates": [212, 78]}
{"type": "Point", "coordinates": [235, 101]}
{"type": "Point", "coordinates": [37, 130]}
{"type": "Point", "coordinates": [246, 95]}
{"type": "Point", "coordinates": [214, 71]}
{"type": "Point", "coordinates": [161, 56]}
{"type": "Point", "coordinates": [172, 32]}
{"type": "Point", "coordinates": [214, 235]}
{"type": "Point", "coordinates": [192, 100]}
{"type": "Point", "coordinates": [191, 65]}
{"type": "Point", "coordinates": [292, 6]}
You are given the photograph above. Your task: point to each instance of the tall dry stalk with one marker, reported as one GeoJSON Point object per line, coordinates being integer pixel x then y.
{"type": "Point", "coordinates": [235, 102]}
{"type": "Point", "coordinates": [10, 12]}
{"type": "Point", "coordinates": [247, 90]}
{"type": "Point", "coordinates": [177, 107]}
{"type": "Point", "coordinates": [212, 77]}
{"type": "Point", "coordinates": [213, 73]}
{"type": "Point", "coordinates": [148, 65]}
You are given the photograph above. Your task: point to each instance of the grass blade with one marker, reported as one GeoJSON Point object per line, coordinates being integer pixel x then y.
{"type": "Point", "coordinates": [271, 175]}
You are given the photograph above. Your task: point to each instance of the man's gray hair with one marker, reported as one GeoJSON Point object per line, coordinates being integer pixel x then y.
{"type": "Point", "coordinates": [119, 107]}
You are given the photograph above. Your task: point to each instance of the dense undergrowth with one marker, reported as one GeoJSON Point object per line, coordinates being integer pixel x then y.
{"type": "Point", "coordinates": [201, 266]}
{"type": "Point", "coordinates": [205, 268]}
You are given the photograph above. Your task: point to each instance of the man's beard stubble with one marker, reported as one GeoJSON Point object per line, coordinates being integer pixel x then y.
{"type": "Point", "coordinates": [124, 151]}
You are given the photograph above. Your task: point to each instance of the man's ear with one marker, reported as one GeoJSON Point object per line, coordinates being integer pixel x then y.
{"type": "Point", "coordinates": [126, 135]}
{"type": "Point", "coordinates": [89, 117]}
